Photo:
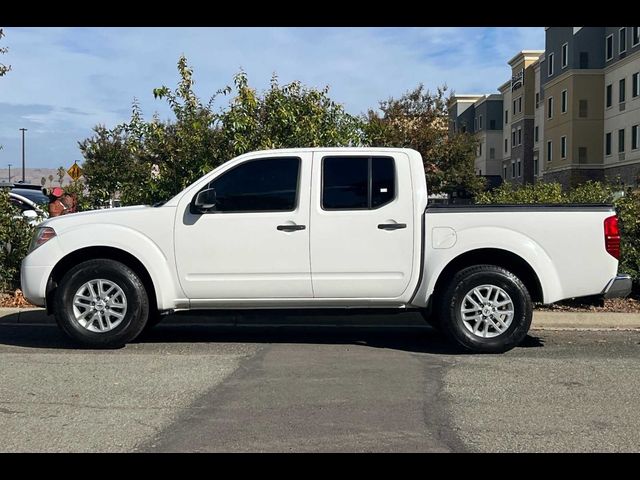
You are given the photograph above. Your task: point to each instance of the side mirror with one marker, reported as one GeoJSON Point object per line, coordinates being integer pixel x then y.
{"type": "Point", "coordinates": [204, 201]}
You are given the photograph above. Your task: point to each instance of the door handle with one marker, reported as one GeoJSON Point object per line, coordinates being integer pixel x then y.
{"type": "Point", "coordinates": [392, 226]}
{"type": "Point", "coordinates": [291, 228]}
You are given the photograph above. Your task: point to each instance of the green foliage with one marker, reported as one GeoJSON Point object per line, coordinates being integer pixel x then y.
{"type": "Point", "coordinates": [15, 234]}
{"type": "Point", "coordinates": [419, 120]}
{"type": "Point", "coordinates": [3, 68]}
{"type": "Point", "coordinates": [627, 209]}
{"type": "Point", "coordinates": [61, 172]}
{"type": "Point", "coordinates": [151, 161]}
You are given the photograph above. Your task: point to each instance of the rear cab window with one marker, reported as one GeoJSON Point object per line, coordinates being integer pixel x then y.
{"type": "Point", "coordinates": [357, 183]}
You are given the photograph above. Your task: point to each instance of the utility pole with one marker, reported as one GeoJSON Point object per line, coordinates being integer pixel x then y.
{"type": "Point", "coordinates": [10, 173]}
{"type": "Point", "coordinates": [23, 130]}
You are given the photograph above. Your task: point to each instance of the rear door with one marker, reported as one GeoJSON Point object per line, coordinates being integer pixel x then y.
{"type": "Point", "coordinates": [361, 226]}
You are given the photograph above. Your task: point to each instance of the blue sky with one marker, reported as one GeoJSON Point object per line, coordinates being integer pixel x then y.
{"type": "Point", "coordinates": [66, 80]}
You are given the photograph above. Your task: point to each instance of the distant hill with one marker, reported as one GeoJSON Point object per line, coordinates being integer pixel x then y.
{"type": "Point", "coordinates": [34, 176]}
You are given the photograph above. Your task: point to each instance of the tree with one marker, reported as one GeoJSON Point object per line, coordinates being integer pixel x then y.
{"type": "Point", "coordinates": [151, 161]}
{"type": "Point", "coordinates": [61, 173]}
{"type": "Point", "coordinates": [50, 180]}
{"type": "Point", "coordinates": [43, 181]}
{"type": "Point", "coordinates": [419, 120]}
{"type": "Point", "coordinates": [3, 68]}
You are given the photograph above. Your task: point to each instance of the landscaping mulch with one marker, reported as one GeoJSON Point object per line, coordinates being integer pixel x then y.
{"type": "Point", "coordinates": [14, 300]}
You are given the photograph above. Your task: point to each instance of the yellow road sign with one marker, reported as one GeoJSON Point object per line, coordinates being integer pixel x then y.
{"type": "Point", "coordinates": [75, 171]}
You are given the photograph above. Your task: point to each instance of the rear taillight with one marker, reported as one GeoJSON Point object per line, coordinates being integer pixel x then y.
{"type": "Point", "coordinates": [612, 236]}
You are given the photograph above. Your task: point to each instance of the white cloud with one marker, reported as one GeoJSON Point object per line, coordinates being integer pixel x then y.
{"type": "Point", "coordinates": [90, 75]}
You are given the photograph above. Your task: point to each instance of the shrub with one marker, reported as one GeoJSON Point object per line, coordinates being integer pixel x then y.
{"type": "Point", "coordinates": [15, 234]}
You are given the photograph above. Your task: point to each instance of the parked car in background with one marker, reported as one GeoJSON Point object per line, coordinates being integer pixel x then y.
{"type": "Point", "coordinates": [32, 207]}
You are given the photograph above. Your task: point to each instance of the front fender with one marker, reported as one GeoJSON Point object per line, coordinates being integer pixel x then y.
{"type": "Point", "coordinates": [160, 267]}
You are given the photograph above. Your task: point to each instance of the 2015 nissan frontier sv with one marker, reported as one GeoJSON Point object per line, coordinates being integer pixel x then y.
{"type": "Point", "coordinates": [321, 227]}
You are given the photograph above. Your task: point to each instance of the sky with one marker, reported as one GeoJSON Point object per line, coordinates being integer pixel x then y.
{"type": "Point", "coordinates": [66, 80]}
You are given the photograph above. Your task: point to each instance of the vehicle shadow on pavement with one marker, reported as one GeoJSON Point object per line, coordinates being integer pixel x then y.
{"type": "Point", "coordinates": [379, 330]}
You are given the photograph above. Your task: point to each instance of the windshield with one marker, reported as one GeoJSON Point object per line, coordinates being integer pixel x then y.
{"type": "Point", "coordinates": [34, 195]}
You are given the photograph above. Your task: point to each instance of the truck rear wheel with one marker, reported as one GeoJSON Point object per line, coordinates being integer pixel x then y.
{"type": "Point", "coordinates": [101, 304]}
{"type": "Point", "coordinates": [486, 309]}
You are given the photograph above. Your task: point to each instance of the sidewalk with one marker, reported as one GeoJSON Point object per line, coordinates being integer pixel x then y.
{"type": "Point", "coordinates": [541, 320]}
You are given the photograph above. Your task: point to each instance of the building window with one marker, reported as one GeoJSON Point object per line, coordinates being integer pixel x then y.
{"type": "Point", "coordinates": [504, 174]}
{"type": "Point", "coordinates": [609, 47]}
{"type": "Point", "coordinates": [492, 153]}
{"type": "Point", "coordinates": [519, 168]}
{"type": "Point", "coordinates": [492, 124]}
{"type": "Point", "coordinates": [519, 136]}
{"type": "Point", "coordinates": [584, 60]}
{"type": "Point", "coordinates": [621, 140]}
{"type": "Point", "coordinates": [513, 112]}
{"type": "Point", "coordinates": [609, 95]}
{"type": "Point", "coordinates": [634, 137]}
{"type": "Point", "coordinates": [519, 104]}
{"type": "Point", "coordinates": [582, 154]}
{"type": "Point", "coordinates": [550, 107]}
{"type": "Point", "coordinates": [622, 40]}
{"type": "Point", "coordinates": [513, 138]}
{"type": "Point", "coordinates": [506, 145]}
{"type": "Point", "coordinates": [635, 38]}
{"type": "Point", "coordinates": [563, 146]}
{"type": "Point", "coordinates": [480, 172]}
{"type": "Point", "coordinates": [513, 169]}
{"type": "Point", "coordinates": [506, 117]}
{"type": "Point", "coordinates": [563, 102]}
{"type": "Point", "coordinates": [549, 151]}
{"type": "Point", "coordinates": [535, 134]}
{"type": "Point", "coordinates": [535, 166]}
{"type": "Point", "coordinates": [565, 55]}
{"type": "Point", "coordinates": [475, 124]}
{"type": "Point", "coordinates": [583, 108]}
{"type": "Point", "coordinates": [550, 65]}
{"type": "Point", "coordinates": [480, 122]}
{"type": "Point", "coordinates": [480, 149]}
{"type": "Point", "coordinates": [622, 90]}
{"type": "Point", "coordinates": [635, 84]}
{"type": "Point", "coordinates": [607, 144]}
{"type": "Point", "coordinates": [537, 99]}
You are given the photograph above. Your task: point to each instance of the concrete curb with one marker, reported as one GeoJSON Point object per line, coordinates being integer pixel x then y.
{"type": "Point", "coordinates": [542, 320]}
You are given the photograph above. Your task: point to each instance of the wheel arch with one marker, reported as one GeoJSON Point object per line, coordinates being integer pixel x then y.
{"type": "Point", "coordinates": [491, 256]}
{"type": "Point", "coordinates": [98, 252]}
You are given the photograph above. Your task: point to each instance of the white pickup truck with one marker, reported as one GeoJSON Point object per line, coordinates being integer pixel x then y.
{"type": "Point", "coordinates": [321, 227]}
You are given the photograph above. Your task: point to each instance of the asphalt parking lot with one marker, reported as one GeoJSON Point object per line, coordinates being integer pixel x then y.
{"type": "Point", "coordinates": [253, 388]}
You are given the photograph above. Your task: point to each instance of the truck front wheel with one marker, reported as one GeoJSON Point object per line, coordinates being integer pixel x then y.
{"type": "Point", "coordinates": [486, 309]}
{"type": "Point", "coordinates": [101, 303]}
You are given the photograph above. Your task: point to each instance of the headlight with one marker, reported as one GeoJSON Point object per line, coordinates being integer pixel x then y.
{"type": "Point", "coordinates": [42, 236]}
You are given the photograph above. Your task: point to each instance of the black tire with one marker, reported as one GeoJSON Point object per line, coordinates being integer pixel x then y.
{"type": "Point", "coordinates": [154, 319]}
{"type": "Point", "coordinates": [136, 296]}
{"type": "Point", "coordinates": [450, 316]}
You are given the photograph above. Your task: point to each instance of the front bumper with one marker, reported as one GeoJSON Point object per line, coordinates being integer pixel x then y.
{"type": "Point", "coordinates": [618, 287]}
{"type": "Point", "coordinates": [33, 280]}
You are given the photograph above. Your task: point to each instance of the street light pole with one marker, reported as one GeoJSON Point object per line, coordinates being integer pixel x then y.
{"type": "Point", "coordinates": [10, 173]}
{"type": "Point", "coordinates": [23, 130]}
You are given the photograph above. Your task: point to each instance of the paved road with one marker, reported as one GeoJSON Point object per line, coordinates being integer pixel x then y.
{"type": "Point", "coordinates": [213, 388]}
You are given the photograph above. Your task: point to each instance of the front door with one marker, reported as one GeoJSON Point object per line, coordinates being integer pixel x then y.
{"type": "Point", "coordinates": [362, 226]}
{"type": "Point", "coordinates": [254, 242]}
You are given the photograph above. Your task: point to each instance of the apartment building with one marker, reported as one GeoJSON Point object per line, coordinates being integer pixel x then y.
{"type": "Point", "coordinates": [572, 80]}
{"type": "Point", "coordinates": [482, 116]}
{"type": "Point", "coordinates": [520, 115]}
{"type": "Point", "coordinates": [621, 93]}
{"type": "Point", "coordinates": [570, 113]}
